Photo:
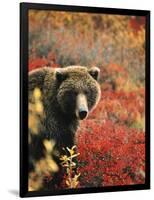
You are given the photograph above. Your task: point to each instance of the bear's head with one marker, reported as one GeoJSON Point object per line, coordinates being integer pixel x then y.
{"type": "Point", "coordinates": [78, 90]}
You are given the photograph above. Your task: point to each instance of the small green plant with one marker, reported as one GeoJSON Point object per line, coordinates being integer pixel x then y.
{"type": "Point", "coordinates": [72, 178]}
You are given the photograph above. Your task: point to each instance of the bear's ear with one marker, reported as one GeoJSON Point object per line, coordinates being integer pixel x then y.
{"type": "Point", "coordinates": [94, 72]}
{"type": "Point", "coordinates": [60, 76]}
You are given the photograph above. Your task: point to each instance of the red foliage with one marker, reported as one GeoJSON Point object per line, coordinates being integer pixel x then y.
{"type": "Point", "coordinates": [114, 68]}
{"type": "Point", "coordinates": [119, 106]}
{"type": "Point", "coordinates": [136, 23]}
{"type": "Point", "coordinates": [111, 152]}
{"type": "Point", "coordinates": [36, 63]}
{"type": "Point", "coordinates": [49, 60]}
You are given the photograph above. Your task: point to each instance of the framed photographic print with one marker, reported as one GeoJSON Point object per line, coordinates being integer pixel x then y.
{"type": "Point", "coordinates": [84, 99]}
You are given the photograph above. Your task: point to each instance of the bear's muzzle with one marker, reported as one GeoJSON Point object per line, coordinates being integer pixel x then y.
{"type": "Point", "coordinates": [81, 107]}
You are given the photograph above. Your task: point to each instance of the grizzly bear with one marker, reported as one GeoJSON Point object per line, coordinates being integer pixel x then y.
{"type": "Point", "coordinates": [68, 95]}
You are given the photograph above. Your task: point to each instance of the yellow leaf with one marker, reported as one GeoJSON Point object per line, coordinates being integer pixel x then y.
{"type": "Point", "coordinates": [37, 93]}
{"type": "Point", "coordinates": [67, 183]}
{"type": "Point", "coordinates": [49, 144]}
{"type": "Point", "coordinates": [39, 107]}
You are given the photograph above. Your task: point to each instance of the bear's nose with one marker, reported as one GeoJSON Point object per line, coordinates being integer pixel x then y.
{"type": "Point", "coordinates": [82, 114]}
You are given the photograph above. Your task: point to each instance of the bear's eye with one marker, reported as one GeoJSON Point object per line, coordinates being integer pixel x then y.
{"type": "Point", "coordinates": [75, 93]}
{"type": "Point", "coordinates": [86, 92]}
{"type": "Point", "coordinates": [72, 93]}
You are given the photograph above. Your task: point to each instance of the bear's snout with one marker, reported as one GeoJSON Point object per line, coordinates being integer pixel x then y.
{"type": "Point", "coordinates": [81, 107]}
{"type": "Point", "coordinates": [83, 114]}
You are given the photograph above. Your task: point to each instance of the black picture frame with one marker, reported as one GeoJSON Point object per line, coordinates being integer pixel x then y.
{"type": "Point", "coordinates": [24, 8]}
